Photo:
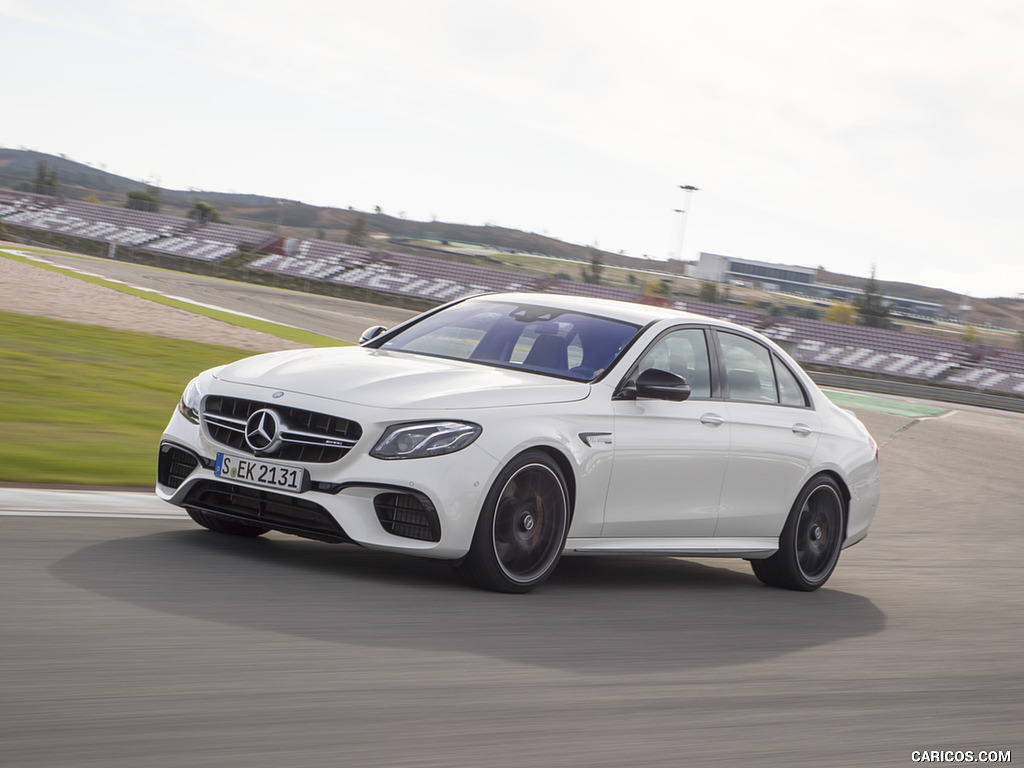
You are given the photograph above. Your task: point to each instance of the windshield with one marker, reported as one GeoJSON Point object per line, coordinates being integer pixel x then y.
{"type": "Point", "coordinates": [521, 336]}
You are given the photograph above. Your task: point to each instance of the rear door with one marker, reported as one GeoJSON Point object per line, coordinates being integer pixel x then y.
{"type": "Point", "coordinates": [774, 434]}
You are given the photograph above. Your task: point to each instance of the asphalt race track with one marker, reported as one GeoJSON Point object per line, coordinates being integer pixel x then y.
{"type": "Point", "coordinates": [129, 637]}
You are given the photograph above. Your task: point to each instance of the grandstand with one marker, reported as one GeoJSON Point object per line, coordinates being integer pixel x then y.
{"type": "Point", "coordinates": [14, 202]}
{"type": "Point", "coordinates": [418, 277]}
{"type": "Point", "coordinates": [569, 288]}
{"type": "Point", "coordinates": [437, 279]}
{"type": "Point", "coordinates": [316, 260]}
{"type": "Point", "coordinates": [889, 354]}
{"type": "Point", "coordinates": [86, 220]}
{"type": "Point", "coordinates": [122, 226]}
{"type": "Point", "coordinates": [211, 241]}
{"type": "Point", "coordinates": [867, 351]}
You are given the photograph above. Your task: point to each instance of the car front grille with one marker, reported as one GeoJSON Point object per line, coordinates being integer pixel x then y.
{"type": "Point", "coordinates": [288, 514]}
{"type": "Point", "coordinates": [409, 516]}
{"type": "Point", "coordinates": [306, 436]}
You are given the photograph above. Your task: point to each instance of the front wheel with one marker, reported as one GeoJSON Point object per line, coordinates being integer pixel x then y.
{"type": "Point", "coordinates": [522, 527]}
{"type": "Point", "coordinates": [811, 539]}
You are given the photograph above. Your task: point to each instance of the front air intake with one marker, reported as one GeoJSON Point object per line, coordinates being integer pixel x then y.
{"type": "Point", "coordinates": [174, 465]}
{"type": "Point", "coordinates": [407, 515]}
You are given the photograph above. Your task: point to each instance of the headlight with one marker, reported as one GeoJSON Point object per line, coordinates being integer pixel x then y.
{"type": "Point", "coordinates": [189, 403]}
{"type": "Point", "coordinates": [434, 438]}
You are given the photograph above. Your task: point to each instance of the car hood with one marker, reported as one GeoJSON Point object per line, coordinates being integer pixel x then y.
{"type": "Point", "coordinates": [385, 379]}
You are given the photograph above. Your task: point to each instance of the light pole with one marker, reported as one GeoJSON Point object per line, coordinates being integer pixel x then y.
{"type": "Point", "coordinates": [689, 189]}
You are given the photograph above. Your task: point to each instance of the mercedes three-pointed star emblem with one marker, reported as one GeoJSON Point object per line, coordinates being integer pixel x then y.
{"type": "Point", "coordinates": [263, 431]}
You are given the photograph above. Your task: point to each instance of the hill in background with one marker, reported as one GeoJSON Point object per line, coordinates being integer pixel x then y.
{"type": "Point", "coordinates": [77, 181]}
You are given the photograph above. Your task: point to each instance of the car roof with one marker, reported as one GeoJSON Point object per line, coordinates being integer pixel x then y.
{"type": "Point", "coordinates": [641, 314]}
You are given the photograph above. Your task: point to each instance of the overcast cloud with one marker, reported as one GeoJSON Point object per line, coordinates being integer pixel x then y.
{"type": "Point", "coordinates": [842, 134]}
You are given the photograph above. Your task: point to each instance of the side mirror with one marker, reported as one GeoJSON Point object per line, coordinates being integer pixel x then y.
{"type": "Point", "coordinates": [662, 385]}
{"type": "Point", "coordinates": [371, 333]}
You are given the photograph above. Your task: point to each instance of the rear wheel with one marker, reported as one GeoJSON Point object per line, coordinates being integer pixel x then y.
{"type": "Point", "coordinates": [522, 527]}
{"type": "Point", "coordinates": [225, 525]}
{"type": "Point", "coordinates": [811, 539]}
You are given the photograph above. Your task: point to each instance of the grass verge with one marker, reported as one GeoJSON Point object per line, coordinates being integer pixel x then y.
{"type": "Point", "coordinates": [896, 407]}
{"type": "Point", "coordinates": [86, 405]}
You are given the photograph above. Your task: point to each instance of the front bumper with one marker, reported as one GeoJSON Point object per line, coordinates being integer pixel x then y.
{"type": "Point", "coordinates": [426, 506]}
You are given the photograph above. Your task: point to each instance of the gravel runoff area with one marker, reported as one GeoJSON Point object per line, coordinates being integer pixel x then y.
{"type": "Point", "coordinates": [31, 290]}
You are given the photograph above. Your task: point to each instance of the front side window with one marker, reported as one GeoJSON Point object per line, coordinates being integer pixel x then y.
{"type": "Point", "coordinates": [685, 353]}
{"type": "Point", "coordinates": [527, 337]}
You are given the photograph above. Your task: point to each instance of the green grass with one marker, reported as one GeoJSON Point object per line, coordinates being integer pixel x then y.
{"type": "Point", "coordinates": [80, 404]}
{"type": "Point", "coordinates": [908, 409]}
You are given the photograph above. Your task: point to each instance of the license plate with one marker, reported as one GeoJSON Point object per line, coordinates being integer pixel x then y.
{"type": "Point", "coordinates": [262, 473]}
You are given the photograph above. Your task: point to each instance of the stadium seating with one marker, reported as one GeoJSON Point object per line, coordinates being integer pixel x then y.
{"type": "Point", "coordinates": [413, 276]}
{"type": "Point", "coordinates": [210, 242]}
{"type": "Point", "coordinates": [868, 351]}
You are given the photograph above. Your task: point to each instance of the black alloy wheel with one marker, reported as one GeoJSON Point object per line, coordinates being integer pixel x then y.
{"type": "Point", "coordinates": [811, 539]}
{"type": "Point", "coordinates": [522, 528]}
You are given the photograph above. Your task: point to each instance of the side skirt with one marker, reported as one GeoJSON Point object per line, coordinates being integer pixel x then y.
{"type": "Point", "coordinates": [754, 548]}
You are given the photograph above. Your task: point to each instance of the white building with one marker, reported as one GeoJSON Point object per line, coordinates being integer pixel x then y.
{"type": "Point", "coordinates": [726, 269]}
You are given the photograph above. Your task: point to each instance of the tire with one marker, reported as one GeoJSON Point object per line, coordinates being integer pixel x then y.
{"type": "Point", "coordinates": [522, 527]}
{"type": "Point", "coordinates": [226, 525]}
{"type": "Point", "coordinates": [811, 539]}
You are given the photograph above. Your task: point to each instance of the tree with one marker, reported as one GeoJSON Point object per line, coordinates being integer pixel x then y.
{"type": "Point", "coordinates": [709, 291]}
{"type": "Point", "coordinates": [872, 306]}
{"type": "Point", "coordinates": [841, 313]}
{"type": "Point", "coordinates": [357, 231]}
{"type": "Point", "coordinates": [147, 199]}
{"type": "Point", "coordinates": [971, 335]}
{"type": "Point", "coordinates": [592, 271]}
{"type": "Point", "coordinates": [46, 179]}
{"type": "Point", "coordinates": [204, 213]}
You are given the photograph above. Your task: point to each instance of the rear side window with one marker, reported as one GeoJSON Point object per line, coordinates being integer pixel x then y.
{"type": "Point", "coordinates": [753, 373]}
{"type": "Point", "coordinates": [790, 391]}
{"type": "Point", "coordinates": [748, 369]}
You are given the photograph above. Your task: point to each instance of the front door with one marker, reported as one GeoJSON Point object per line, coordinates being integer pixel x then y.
{"type": "Point", "coordinates": [670, 457]}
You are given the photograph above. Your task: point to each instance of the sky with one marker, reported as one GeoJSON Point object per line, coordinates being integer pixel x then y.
{"type": "Point", "coordinates": [854, 135]}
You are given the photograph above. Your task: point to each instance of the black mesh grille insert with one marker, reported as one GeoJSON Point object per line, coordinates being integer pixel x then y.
{"type": "Point", "coordinates": [288, 514]}
{"type": "Point", "coordinates": [412, 517]}
{"type": "Point", "coordinates": [174, 465]}
{"type": "Point", "coordinates": [307, 436]}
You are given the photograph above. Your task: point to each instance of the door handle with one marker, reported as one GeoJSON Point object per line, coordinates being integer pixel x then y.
{"type": "Point", "coordinates": [712, 419]}
{"type": "Point", "coordinates": [801, 429]}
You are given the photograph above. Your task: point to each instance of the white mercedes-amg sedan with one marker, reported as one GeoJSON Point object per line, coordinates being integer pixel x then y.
{"type": "Point", "coordinates": [503, 431]}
